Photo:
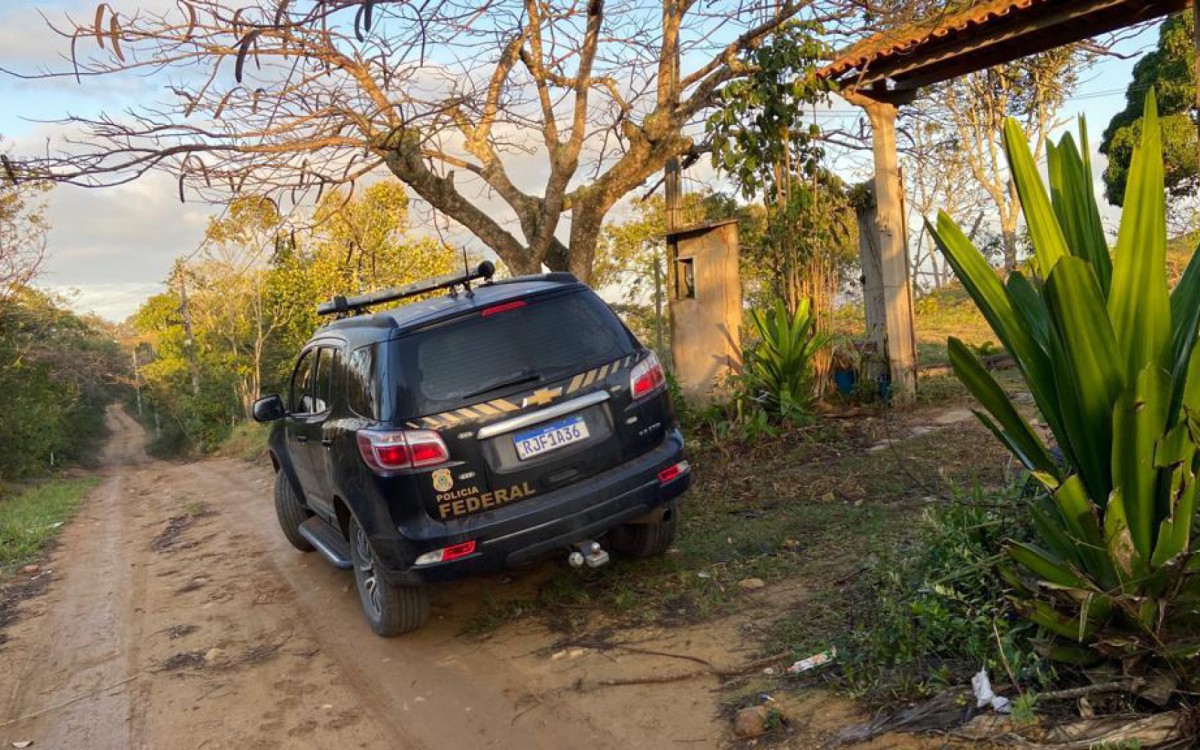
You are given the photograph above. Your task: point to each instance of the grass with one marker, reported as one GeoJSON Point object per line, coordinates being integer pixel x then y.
{"type": "Point", "coordinates": [31, 519]}
{"type": "Point", "coordinates": [809, 505]}
{"type": "Point", "coordinates": [248, 441]}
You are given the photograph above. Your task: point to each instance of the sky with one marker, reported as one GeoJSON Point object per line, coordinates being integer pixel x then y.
{"type": "Point", "coordinates": [110, 249]}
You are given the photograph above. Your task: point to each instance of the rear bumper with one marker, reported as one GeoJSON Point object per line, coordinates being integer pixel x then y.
{"type": "Point", "coordinates": [581, 511]}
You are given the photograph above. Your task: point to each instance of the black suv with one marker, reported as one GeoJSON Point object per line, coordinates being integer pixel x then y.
{"type": "Point", "coordinates": [472, 431]}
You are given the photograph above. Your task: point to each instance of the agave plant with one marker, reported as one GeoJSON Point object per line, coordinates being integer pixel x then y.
{"type": "Point", "coordinates": [777, 372]}
{"type": "Point", "coordinates": [1110, 358]}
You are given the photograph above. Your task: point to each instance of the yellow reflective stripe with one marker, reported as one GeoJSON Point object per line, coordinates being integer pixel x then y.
{"type": "Point", "coordinates": [591, 375]}
{"type": "Point", "coordinates": [466, 414]}
{"type": "Point", "coordinates": [504, 405]}
{"type": "Point", "coordinates": [603, 373]}
{"type": "Point", "coordinates": [575, 383]}
{"type": "Point", "coordinates": [486, 409]}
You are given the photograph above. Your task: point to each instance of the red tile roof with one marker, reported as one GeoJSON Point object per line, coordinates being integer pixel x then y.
{"type": "Point", "coordinates": [896, 42]}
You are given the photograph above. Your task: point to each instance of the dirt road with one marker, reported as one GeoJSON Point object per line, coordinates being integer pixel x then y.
{"type": "Point", "coordinates": [179, 617]}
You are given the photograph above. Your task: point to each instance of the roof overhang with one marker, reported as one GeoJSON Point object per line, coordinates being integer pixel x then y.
{"type": "Point", "coordinates": [894, 64]}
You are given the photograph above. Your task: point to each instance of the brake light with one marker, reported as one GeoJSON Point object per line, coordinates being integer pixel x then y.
{"type": "Point", "coordinates": [671, 473]}
{"type": "Point", "coordinates": [496, 309]}
{"type": "Point", "coordinates": [446, 554]}
{"type": "Point", "coordinates": [387, 451]}
{"type": "Point", "coordinates": [647, 377]}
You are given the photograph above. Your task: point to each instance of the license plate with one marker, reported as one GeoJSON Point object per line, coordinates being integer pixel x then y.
{"type": "Point", "coordinates": [550, 437]}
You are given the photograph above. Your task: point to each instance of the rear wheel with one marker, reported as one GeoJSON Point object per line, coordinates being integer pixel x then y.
{"type": "Point", "coordinates": [390, 610]}
{"type": "Point", "coordinates": [291, 512]}
{"type": "Point", "coordinates": [646, 539]}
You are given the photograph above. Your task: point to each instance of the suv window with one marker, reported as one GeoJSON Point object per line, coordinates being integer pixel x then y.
{"type": "Point", "coordinates": [312, 382]}
{"type": "Point", "coordinates": [361, 394]}
{"type": "Point", "coordinates": [323, 384]}
{"type": "Point", "coordinates": [550, 337]}
{"type": "Point", "coordinates": [298, 400]}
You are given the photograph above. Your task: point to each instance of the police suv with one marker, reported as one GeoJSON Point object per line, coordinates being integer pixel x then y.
{"type": "Point", "coordinates": [476, 430]}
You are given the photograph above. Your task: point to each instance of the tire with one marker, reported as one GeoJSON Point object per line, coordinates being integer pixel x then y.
{"type": "Point", "coordinates": [291, 512]}
{"type": "Point", "coordinates": [390, 610]}
{"type": "Point", "coordinates": [646, 539]}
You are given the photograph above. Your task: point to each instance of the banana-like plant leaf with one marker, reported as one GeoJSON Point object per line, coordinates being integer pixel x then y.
{"type": "Point", "coordinates": [1048, 523]}
{"type": "Point", "coordinates": [1045, 565]}
{"type": "Point", "coordinates": [1185, 322]}
{"type": "Point", "coordinates": [1028, 446]}
{"type": "Point", "coordinates": [1081, 520]}
{"type": "Point", "coordinates": [1087, 373]}
{"type": "Point", "coordinates": [1139, 305]}
{"type": "Point", "coordinates": [1175, 457]}
{"type": "Point", "coordinates": [1030, 306]}
{"type": "Point", "coordinates": [980, 281]}
{"type": "Point", "coordinates": [1068, 653]}
{"type": "Point", "coordinates": [1139, 421]}
{"type": "Point", "coordinates": [1049, 245]}
{"type": "Point", "coordinates": [1129, 564]}
{"type": "Point", "coordinates": [1056, 622]}
{"type": "Point", "coordinates": [1075, 206]}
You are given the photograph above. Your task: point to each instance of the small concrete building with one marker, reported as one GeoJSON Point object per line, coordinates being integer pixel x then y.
{"type": "Point", "coordinates": [705, 293]}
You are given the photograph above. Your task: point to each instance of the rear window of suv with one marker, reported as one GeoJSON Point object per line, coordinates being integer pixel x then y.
{"type": "Point", "coordinates": [476, 358]}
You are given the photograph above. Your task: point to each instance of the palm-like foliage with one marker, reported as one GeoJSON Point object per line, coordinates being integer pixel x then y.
{"type": "Point", "coordinates": [778, 370]}
{"type": "Point", "coordinates": [1109, 356]}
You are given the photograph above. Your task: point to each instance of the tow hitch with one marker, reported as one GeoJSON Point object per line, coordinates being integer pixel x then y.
{"type": "Point", "coordinates": [589, 552]}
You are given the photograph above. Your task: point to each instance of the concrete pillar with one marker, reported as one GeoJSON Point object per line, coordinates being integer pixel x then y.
{"type": "Point", "coordinates": [893, 250]}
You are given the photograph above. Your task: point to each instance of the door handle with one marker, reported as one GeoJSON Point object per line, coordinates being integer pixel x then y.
{"type": "Point", "coordinates": [302, 438]}
{"type": "Point", "coordinates": [327, 442]}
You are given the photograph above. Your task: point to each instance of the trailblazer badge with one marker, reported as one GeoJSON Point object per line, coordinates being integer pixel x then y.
{"type": "Point", "coordinates": [443, 480]}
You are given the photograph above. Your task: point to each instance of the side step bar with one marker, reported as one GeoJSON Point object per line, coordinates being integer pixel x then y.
{"type": "Point", "coordinates": [328, 541]}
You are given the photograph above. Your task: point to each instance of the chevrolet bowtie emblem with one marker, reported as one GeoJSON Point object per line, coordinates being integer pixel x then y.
{"type": "Point", "coordinates": [542, 397]}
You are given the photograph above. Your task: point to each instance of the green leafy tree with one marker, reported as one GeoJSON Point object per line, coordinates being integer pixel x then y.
{"type": "Point", "coordinates": [1169, 69]}
{"type": "Point", "coordinates": [58, 371]}
{"type": "Point", "coordinates": [762, 139]}
{"type": "Point", "coordinates": [252, 298]}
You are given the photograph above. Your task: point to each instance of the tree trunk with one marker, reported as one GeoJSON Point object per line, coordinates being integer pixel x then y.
{"type": "Point", "coordinates": [1008, 237]}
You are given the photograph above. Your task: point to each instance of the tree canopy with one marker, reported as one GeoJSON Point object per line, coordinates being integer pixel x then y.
{"type": "Point", "coordinates": [1168, 68]}
{"type": "Point", "coordinates": [450, 97]}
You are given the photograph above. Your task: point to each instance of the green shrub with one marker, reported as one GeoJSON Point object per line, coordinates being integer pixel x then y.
{"type": "Point", "coordinates": [931, 612]}
{"type": "Point", "coordinates": [1110, 359]}
{"type": "Point", "coordinates": [776, 372]}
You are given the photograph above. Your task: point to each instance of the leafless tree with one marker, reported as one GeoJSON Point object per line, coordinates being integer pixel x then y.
{"type": "Point", "coordinates": [1031, 90]}
{"type": "Point", "coordinates": [291, 98]}
{"type": "Point", "coordinates": [936, 178]}
{"type": "Point", "coordinates": [23, 228]}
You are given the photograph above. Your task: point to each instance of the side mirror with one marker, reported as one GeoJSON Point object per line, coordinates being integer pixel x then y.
{"type": "Point", "coordinates": [268, 409]}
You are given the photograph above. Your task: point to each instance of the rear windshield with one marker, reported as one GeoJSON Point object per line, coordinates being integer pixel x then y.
{"type": "Point", "coordinates": [478, 357]}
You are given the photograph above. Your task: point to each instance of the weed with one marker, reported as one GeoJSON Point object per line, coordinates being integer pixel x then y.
{"type": "Point", "coordinates": [1023, 713]}
{"type": "Point", "coordinates": [196, 509]}
{"type": "Point", "coordinates": [30, 519]}
{"type": "Point", "coordinates": [928, 612]}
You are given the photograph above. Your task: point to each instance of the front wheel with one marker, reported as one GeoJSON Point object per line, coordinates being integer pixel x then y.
{"type": "Point", "coordinates": [390, 610]}
{"type": "Point", "coordinates": [291, 512]}
{"type": "Point", "coordinates": [646, 539]}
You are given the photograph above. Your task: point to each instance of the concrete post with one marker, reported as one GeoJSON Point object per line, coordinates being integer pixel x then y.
{"type": "Point", "coordinates": [893, 251]}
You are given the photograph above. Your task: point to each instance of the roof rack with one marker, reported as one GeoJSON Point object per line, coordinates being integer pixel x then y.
{"type": "Point", "coordinates": [340, 305]}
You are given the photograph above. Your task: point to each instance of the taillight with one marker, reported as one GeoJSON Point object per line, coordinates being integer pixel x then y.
{"type": "Point", "coordinates": [497, 309]}
{"type": "Point", "coordinates": [387, 451]}
{"type": "Point", "coordinates": [446, 554]}
{"type": "Point", "coordinates": [647, 377]}
{"type": "Point", "coordinates": [671, 473]}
